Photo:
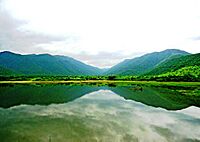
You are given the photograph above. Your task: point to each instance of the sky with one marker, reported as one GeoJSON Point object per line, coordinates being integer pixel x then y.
{"type": "Point", "coordinates": [101, 33]}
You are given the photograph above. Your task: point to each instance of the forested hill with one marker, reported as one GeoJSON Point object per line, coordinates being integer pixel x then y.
{"type": "Point", "coordinates": [174, 64]}
{"type": "Point", "coordinates": [43, 64]}
{"type": "Point", "coordinates": [145, 63]}
{"type": "Point", "coordinates": [169, 63]}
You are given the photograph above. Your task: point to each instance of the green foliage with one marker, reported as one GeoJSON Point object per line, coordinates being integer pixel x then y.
{"type": "Point", "coordinates": [174, 64]}
{"type": "Point", "coordinates": [5, 72]}
{"type": "Point", "coordinates": [189, 71]}
{"type": "Point", "coordinates": [190, 74]}
{"type": "Point", "coordinates": [143, 64]}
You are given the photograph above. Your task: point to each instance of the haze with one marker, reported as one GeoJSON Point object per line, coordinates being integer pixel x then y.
{"type": "Point", "coordinates": [100, 33]}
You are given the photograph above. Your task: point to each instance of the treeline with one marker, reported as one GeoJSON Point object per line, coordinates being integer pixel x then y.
{"type": "Point", "coordinates": [65, 78]}
{"type": "Point", "coordinates": [186, 78]}
{"type": "Point", "coordinates": [188, 74]}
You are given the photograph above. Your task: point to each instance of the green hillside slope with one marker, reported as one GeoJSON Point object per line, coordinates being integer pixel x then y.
{"type": "Point", "coordinates": [174, 64]}
{"type": "Point", "coordinates": [45, 64]}
{"type": "Point", "coordinates": [190, 73]}
{"type": "Point", "coordinates": [4, 71]}
{"type": "Point", "coordinates": [143, 64]}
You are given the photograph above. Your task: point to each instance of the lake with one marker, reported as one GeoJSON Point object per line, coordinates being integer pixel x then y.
{"type": "Point", "coordinates": [92, 113]}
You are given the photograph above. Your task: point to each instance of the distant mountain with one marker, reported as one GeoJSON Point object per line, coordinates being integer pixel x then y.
{"type": "Point", "coordinates": [176, 63]}
{"type": "Point", "coordinates": [44, 64]}
{"type": "Point", "coordinates": [145, 63]}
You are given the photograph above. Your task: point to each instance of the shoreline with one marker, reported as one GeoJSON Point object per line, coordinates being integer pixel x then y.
{"type": "Point", "coordinates": [103, 81]}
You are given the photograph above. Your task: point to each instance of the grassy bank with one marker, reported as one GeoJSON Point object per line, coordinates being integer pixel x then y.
{"type": "Point", "coordinates": [155, 83]}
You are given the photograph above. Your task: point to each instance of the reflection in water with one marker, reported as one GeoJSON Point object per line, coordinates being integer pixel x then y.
{"type": "Point", "coordinates": [41, 94]}
{"type": "Point", "coordinates": [48, 94]}
{"type": "Point", "coordinates": [158, 97]}
{"type": "Point", "coordinates": [98, 116]}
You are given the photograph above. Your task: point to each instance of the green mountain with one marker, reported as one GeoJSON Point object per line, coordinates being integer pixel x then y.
{"type": "Point", "coordinates": [5, 71]}
{"type": "Point", "coordinates": [168, 63]}
{"type": "Point", "coordinates": [173, 64]}
{"type": "Point", "coordinates": [145, 63]}
{"type": "Point", "coordinates": [44, 64]}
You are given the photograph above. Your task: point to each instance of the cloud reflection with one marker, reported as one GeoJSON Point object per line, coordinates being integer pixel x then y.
{"type": "Point", "coordinates": [100, 116]}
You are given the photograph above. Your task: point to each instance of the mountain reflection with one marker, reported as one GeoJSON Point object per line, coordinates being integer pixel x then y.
{"type": "Point", "coordinates": [98, 116]}
{"type": "Point", "coordinates": [13, 95]}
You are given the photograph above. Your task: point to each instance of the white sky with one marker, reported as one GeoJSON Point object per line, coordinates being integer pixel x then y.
{"type": "Point", "coordinates": [91, 29]}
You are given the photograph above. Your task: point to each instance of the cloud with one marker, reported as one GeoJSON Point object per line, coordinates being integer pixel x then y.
{"type": "Point", "coordinates": [101, 33]}
{"type": "Point", "coordinates": [105, 59]}
{"type": "Point", "coordinates": [71, 47]}
{"type": "Point", "coordinates": [196, 38]}
{"type": "Point", "coordinates": [100, 59]}
{"type": "Point", "coordinates": [14, 38]}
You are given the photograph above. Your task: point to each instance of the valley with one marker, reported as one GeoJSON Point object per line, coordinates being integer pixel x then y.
{"type": "Point", "coordinates": [167, 65]}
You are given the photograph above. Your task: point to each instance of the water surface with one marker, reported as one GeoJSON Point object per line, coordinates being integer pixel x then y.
{"type": "Point", "coordinates": [60, 113]}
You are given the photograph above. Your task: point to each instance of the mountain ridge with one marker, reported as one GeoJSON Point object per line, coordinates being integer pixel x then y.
{"type": "Point", "coordinates": [174, 64]}
{"type": "Point", "coordinates": [143, 64]}
{"type": "Point", "coordinates": [47, 64]}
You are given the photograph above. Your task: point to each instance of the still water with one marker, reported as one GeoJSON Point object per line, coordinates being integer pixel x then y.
{"type": "Point", "coordinates": [64, 113]}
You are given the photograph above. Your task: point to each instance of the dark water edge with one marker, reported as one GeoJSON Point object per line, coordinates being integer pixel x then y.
{"type": "Point", "coordinates": [167, 97]}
